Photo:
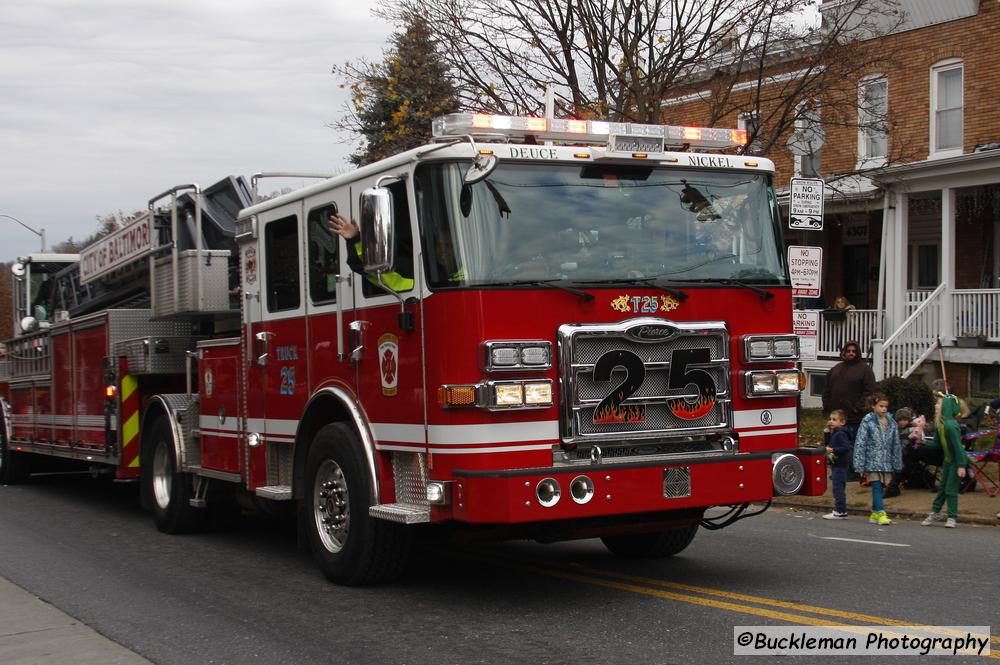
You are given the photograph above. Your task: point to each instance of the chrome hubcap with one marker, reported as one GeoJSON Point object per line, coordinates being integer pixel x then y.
{"type": "Point", "coordinates": [163, 475]}
{"type": "Point", "coordinates": [331, 506]}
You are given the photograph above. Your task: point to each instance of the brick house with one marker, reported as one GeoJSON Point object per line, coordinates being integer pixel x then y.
{"type": "Point", "coordinates": [912, 224]}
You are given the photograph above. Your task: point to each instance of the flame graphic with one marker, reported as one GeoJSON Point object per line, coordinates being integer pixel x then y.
{"type": "Point", "coordinates": [610, 414]}
{"type": "Point", "coordinates": [692, 410]}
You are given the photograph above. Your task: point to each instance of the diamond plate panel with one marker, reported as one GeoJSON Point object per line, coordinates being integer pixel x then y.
{"type": "Point", "coordinates": [410, 472]}
{"type": "Point", "coordinates": [214, 268]}
{"type": "Point", "coordinates": [677, 482]}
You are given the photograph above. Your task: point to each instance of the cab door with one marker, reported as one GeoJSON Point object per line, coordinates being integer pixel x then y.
{"type": "Point", "coordinates": [329, 295]}
{"type": "Point", "coordinates": [389, 372]}
{"type": "Point", "coordinates": [276, 338]}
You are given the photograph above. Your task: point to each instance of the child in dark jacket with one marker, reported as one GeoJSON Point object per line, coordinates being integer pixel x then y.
{"type": "Point", "coordinates": [838, 449]}
{"type": "Point", "coordinates": [904, 417]}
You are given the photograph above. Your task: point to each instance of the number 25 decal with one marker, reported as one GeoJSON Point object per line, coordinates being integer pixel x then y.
{"type": "Point", "coordinates": [681, 377]}
{"type": "Point", "coordinates": [611, 409]}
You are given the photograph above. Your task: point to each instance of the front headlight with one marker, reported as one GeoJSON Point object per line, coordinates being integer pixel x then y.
{"type": "Point", "coordinates": [762, 383]}
{"type": "Point", "coordinates": [759, 349]}
{"type": "Point", "coordinates": [768, 382]}
{"type": "Point", "coordinates": [507, 394]}
{"type": "Point", "coordinates": [770, 348]}
{"type": "Point", "coordinates": [538, 393]}
{"type": "Point", "coordinates": [788, 382]}
{"type": "Point", "coordinates": [504, 356]}
{"type": "Point", "coordinates": [516, 355]}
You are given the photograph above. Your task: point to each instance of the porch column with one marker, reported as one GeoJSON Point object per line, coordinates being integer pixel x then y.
{"type": "Point", "coordinates": [995, 282]}
{"type": "Point", "coordinates": [898, 267]}
{"type": "Point", "coordinates": [888, 210]}
{"type": "Point", "coordinates": [947, 263]}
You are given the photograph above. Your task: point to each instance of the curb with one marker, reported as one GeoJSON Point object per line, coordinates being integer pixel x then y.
{"type": "Point", "coordinates": [966, 519]}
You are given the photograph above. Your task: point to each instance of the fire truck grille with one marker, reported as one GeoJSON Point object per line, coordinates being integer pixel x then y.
{"type": "Point", "coordinates": [644, 379]}
{"type": "Point", "coordinates": [645, 449]}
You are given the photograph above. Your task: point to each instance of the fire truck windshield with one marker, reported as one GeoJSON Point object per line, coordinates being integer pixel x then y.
{"type": "Point", "coordinates": [596, 222]}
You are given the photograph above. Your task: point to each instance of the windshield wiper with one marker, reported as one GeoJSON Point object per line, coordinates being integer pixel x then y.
{"type": "Point", "coordinates": [725, 281]}
{"type": "Point", "coordinates": [655, 282]}
{"type": "Point", "coordinates": [553, 284]}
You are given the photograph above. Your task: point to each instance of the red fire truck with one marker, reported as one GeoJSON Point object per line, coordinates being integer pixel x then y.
{"type": "Point", "coordinates": [545, 329]}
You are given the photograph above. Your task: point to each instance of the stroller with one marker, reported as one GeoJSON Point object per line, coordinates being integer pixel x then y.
{"type": "Point", "coordinates": [922, 461]}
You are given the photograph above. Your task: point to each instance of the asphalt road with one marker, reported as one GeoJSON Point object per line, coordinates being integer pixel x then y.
{"type": "Point", "coordinates": [246, 594]}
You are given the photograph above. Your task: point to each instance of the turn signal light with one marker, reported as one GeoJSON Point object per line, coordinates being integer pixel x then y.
{"type": "Point", "coordinates": [450, 396]}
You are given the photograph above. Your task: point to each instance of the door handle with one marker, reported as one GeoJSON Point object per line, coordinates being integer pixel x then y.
{"type": "Point", "coordinates": [262, 345]}
{"type": "Point", "coordinates": [356, 331]}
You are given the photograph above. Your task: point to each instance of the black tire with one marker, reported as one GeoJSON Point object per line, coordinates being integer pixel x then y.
{"type": "Point", "coordinates": [166, 491]}
{"type": "Point", "coordinates": [350, 547]}
{"type": "Point", "coordinates": [651, 545]}
{"type": "Point", "coordinates": [15, 467]}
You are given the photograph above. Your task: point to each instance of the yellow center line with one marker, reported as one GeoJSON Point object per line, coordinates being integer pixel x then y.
{"type": "Point", "coordinates": [855, 616]}
{"type": "Point", "coordinates": [635, 584]}
{"type": "Point", "coordinates": [797, 619]}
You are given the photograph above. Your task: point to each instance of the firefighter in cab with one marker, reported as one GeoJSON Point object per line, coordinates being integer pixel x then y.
{"type": "Point", "coordinates": [402, 278]}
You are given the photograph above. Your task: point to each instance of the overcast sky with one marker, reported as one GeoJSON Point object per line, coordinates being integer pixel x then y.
{"type": "Point", "coordinates": [106, 103]}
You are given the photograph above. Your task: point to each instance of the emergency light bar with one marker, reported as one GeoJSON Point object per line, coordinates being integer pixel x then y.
{"type": "Point", "coordinates": [623, 137]}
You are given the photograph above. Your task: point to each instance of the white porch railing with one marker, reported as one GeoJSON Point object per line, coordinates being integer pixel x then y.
{"type": "Point", "coordinates": [860, 325]}
{"type": "Point", "coordinates": [977, 313]}
{"type": "Point", "coordinates": [913, 300]}
{"type": "Point", "coordinates": [911, 343]}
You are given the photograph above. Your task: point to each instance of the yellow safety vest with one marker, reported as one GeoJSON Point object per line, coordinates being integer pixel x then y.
{"type": "Point", "coordinates": [392, 280]}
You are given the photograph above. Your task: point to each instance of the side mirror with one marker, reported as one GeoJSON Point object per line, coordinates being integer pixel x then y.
{"type": "Point", "coordinates": [482, 166]}
{"type": "Point", "coordinates": [377, 242]}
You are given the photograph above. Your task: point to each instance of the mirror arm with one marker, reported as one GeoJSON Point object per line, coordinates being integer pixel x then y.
{"type": "Point", "coordinates": [404, 318]}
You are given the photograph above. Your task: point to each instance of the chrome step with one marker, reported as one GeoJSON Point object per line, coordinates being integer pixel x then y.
{"type": "Point", "coordinates": [275, 492]}
{"type": "Point", "coordinates": [404, 513]}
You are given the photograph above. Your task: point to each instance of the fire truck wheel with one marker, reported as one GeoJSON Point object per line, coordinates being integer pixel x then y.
{"type": "Point", "coordinates": [651, 545]}
{"type": "Point", "coordinates": [14, 466]}
{"type": "Point", "coordinates": [168, 491]}
{"type": "Point", "coordinates": [350, 547]}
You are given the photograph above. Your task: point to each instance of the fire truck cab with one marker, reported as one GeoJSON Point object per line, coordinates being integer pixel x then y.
{"type": "Point", "coordinates": [539, 328]}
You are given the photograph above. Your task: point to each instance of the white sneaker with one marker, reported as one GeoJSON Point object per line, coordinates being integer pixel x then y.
{"type": "Point", "coordinates": [951, 523]}
{"type": "Point", "coordinates": [931, 518]}
{"type": "Point", "coordinates": [834, 515]}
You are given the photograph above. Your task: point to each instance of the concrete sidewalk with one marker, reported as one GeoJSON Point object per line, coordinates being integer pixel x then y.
{"type": "Point", "coordinates": [974, 507]}
{"type": "Point", "coordinates": [32, 632]}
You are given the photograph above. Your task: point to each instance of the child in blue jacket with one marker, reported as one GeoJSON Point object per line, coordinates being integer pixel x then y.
{"type": "Point", "coordinates": [878, 453]}
{"type": "Point", "coordinates": [838, 451]}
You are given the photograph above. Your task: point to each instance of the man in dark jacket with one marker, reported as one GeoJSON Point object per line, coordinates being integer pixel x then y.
{"type": "Point", "coordinates": [848, 385]}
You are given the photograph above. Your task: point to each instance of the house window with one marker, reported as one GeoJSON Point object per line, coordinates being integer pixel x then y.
{"type": "Point", "coordinates": [807, 136]}
{"type": "Point", "coordinates": [924, 267]}
{"type": "Point", "coordinates": [749, 121]}
{"type": "Point", "coordinates": [985, 380]}
{"type": "Point", "coordinates": [873, 110]}
{"type": "Point", "coordinates": [947, 101]}
{"type": "Point", "coordinates": [817, 383]}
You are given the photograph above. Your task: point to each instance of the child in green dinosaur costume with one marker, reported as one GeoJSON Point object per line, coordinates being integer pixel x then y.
{"type": "Point", "coordinates": [955, 461]}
